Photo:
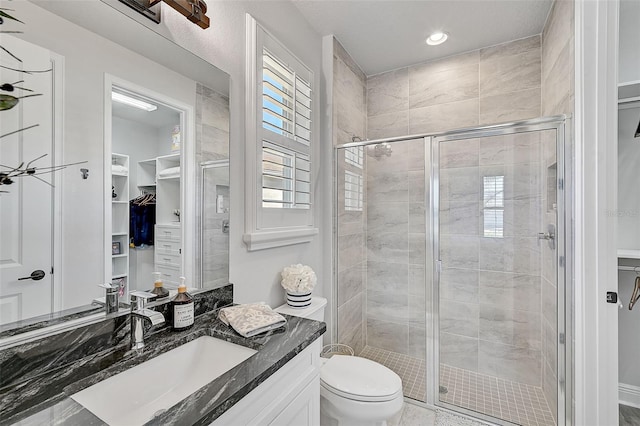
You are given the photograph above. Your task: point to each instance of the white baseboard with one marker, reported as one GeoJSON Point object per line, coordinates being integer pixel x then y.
{"type": "Point", "coordinates": [629, 395]}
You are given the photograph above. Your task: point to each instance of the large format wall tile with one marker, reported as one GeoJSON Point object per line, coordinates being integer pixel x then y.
{"type": "Point", "coordinates": [510, 363]}
{"type": "Point", "coordinates": [510, 67]}
{"type": "Point", "coordinates": [350, 250]}
{"type": "Point", "coordinates": [388, 92]}
{"type": "Point", "coordinates": [510, 291]}
{"type": "Point", "coordinates": [387, 217]}
{"type": "Point", "coordinates": [433, 84]}
{"type": "Point", "coordinates": [387, 187]}
{"type": "Point", "coordinates": [388, 306]}
{"type": "Point", "coordinates": [350, 282]}
{"type": "Point", "coordinates": [388, 125]}
{"type": "Point", "coordinates": [459, 351]}
{"type": "Point", "coordinates": [387, 277]}
{"type": "Point", "coordinates": [388, 335]}
{"type": "Point", "coordinates": [459, 318]}
{"type": "Point", "coordinates": [522, 105]}
{"type": "Point", "coordinates": [350, 325]}
{"type": "Point", "coordinates": [510, 327]}
{"type": "Point", "coordinates": [388, 247]}
{"type": "Point", "coordinates": [443, 117]}
{"type": "Point", "coordinates": [417, 342]}
{"type": "Point", "coordinates": [459, 284]}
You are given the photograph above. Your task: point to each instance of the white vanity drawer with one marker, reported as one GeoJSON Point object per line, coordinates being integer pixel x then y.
{"type": "Point", "coordinates": [168, 247]}
{"type": "Point", "coordinates": [168, 233]}
{"type": "Point", "coordinates": [173, 261]}
{"type": "Point", "coordinates": [170, 276]}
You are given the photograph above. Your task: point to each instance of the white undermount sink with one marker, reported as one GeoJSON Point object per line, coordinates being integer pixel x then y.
{"type": "Point", "coordinates": [134, 396]}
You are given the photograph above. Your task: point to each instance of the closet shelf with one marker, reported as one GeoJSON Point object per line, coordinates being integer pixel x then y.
{"type": "Point", "coordinates": [628, 254]}
{"type": "Point", "coordinates": [114, 277]}
{"type": "Point", "coordinates": [114, 256]}
{"type": "Point", "coordinates": [120, 202]}
{"type": "Point", "coordinates": [119, 234]}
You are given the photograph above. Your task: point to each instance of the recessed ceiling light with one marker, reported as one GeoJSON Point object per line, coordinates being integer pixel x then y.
{"type": "Point", "coordinates": [133, 102]}
{"type": "Point", "coordinates": [437, 38]}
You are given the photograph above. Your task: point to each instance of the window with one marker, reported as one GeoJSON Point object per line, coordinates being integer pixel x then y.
{"type": "Point", "coordinates": [353, 191]}
{"type": "Point", "coordinates": [286, 112]}
{"type": "Point", "coordinates": [354, 156]}
{"type": "Point", "coordinates": [493, 206]}
{"type": "Point", "coordinates": [281, 143]}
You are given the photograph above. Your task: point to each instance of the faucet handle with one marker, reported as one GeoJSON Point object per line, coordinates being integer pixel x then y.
{"type": "Point", "coordinates": [109, 286]}
{"type": "Point", "coordinates": [139, 299]}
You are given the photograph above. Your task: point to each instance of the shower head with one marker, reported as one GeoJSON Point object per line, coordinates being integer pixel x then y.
{"type": "Point", "coordinates": [381, 149]}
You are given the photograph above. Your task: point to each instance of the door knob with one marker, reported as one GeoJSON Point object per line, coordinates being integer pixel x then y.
{"type": "Point", "coordinates": [36, 275]}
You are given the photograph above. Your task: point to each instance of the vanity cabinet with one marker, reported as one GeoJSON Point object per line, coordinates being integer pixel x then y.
{"type": "Point", "coordinates": [291, 396]}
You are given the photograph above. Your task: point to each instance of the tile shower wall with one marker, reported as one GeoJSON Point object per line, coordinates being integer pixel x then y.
{"type": "Point", "coordinates": [490, 301]}
{"type": "Point", "coordinates": [495, 84]}
{"type": "Point", "coordinates": [557, 98]}
{"type": "Point", "coordinates": [491, 85]}
{"type": "Point", "coordinates": [349, 120]}
{"type": "Point", "coordinates": [395, 238]}
{"type": "Point", "coordinates": [212, 136]}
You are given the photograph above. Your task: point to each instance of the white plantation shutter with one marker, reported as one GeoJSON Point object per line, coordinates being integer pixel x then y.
{"type": "Point", "coordinates": [281, 144]}
{"type": "Point", "coordinates": [286, 101]}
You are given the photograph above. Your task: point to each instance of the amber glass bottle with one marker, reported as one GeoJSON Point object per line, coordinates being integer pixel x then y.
{"type": "Point", "coordinates": [182, 308]}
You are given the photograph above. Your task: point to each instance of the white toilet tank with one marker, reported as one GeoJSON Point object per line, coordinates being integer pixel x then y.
{"type": "Point", "coordinates": [315, 311]}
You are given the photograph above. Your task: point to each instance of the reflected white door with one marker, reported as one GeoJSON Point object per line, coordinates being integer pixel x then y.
{"type": "Point", "coordinates": [26, 232]}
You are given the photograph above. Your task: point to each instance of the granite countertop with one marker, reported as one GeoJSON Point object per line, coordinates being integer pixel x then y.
{"type": "Point", "coordinates": [274, 349]}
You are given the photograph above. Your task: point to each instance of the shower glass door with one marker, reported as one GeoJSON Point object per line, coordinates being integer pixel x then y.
{"type": "Point", "coordinates": [496, 203]}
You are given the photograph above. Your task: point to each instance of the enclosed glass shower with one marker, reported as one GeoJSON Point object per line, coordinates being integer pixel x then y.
{"type": "Point", "coordinates": [450, 254]}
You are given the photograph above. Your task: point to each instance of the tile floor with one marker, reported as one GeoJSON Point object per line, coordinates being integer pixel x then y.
{"type": "Point", "coordinates": [512, 401]}
{"type": "Point", "coordinates": [411, 370]}
{"type": "Point", "coordinates": [515, 402]}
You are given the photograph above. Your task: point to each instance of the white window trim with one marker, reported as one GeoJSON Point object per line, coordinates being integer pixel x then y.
{"type": "Point", "coordinates": [277, 231]}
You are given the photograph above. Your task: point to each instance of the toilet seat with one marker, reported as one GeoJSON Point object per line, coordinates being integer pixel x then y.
{"type": "Point", "coordinates": [360, 379]}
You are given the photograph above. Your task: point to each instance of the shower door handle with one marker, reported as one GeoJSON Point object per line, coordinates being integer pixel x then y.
{"type": "Point", "coordinates": [550, 235]}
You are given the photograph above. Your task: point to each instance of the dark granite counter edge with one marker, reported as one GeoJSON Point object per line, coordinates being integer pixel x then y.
{"type": "Point", "coordinates": [275, 349]}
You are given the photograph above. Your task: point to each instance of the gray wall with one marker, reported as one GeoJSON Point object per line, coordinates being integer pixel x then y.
{"type": "Point", "coordinates": [557, 98]}
{"type": "Point", "coordinates": [495, 84]}
{"type": "Point", "coordinates": [349, 119]}
{"type": "Point", "coordinates": [491, 85]}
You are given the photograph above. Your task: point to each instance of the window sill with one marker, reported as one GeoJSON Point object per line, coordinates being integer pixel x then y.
{"type": "Point", "coordinates": [278, 238]}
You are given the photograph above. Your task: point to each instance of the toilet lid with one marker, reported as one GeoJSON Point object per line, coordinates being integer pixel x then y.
{"type": "Point", "coordinates": [360, 379]}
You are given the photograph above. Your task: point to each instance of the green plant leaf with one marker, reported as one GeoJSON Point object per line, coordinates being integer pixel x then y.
{"type": "Point", "coordinates": [7, 102]}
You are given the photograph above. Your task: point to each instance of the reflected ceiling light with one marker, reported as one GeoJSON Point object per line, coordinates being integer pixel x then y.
{"type": "Point", "coordinates": [133, 102]}
{"type": "Point", "coordinates": [437, 38]}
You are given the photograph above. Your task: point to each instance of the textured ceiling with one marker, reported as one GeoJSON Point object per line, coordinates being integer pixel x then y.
{"type": "Point", "coordinates": [387, 34]}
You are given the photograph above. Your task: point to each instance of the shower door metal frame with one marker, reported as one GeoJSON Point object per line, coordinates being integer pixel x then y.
{"type": "Point", "coordinates": [564, 291]}
{"type": "Point", "coordinates": [564, 284]}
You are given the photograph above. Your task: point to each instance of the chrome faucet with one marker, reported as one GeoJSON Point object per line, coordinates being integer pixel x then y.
{"type": "Point", "coordinates": [140, 312]}
{"type": "Point", "coordinates": [111, 296]}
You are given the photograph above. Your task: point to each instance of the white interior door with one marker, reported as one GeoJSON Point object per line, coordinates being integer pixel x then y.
{"type": "Point", "coordinates": [26, 206]}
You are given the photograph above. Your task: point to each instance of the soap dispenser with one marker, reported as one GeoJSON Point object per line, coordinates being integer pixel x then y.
{"type": "Point", "coordinates": [158, 289]}
{"type": "Point", "coordinates": [182, 308]}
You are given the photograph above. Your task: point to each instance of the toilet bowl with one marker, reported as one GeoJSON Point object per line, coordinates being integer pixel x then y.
{"type": "Point", "coordinates": [354, 391]}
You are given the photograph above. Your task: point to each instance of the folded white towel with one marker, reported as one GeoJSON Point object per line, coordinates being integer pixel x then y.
{"type": "Point", "coordinates": [119, 169]}
{"type": "Point", "coordinates": [171, 171]}
{"type": "Point", "coordinates": [251, 319]}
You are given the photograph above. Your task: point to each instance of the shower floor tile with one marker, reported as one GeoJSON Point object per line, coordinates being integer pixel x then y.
{"type": "Point", "coordinates": [511, 401]}
{"type": "Point", "coordinates": [514, 402]}
{"type": "Point", "coordinates": [411, 370]}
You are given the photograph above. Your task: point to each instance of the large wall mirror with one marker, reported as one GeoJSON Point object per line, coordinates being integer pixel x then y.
{"type": "Point", "coordinates": [142, 126]}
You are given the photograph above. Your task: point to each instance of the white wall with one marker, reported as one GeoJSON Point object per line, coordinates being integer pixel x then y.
{"type": "Point", "coordinates": [87, 57]}
{"type": "Point", "coordinates": [629, 59]}
{"type": "Point", "coordinates": [255, 274]}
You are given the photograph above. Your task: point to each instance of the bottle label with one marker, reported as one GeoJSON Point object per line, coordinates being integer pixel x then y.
{"type": "Point", "coordinates": [183, 315]}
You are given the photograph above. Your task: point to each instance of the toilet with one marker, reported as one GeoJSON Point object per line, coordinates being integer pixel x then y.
{"type": "Point", "coordinates": [354, 391]}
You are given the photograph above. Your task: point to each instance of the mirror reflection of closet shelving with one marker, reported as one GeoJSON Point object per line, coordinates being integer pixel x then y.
{"type": "Point", "coordinates": [120, 219]}
{"type": "Point", "coordinates": [151, 231]}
